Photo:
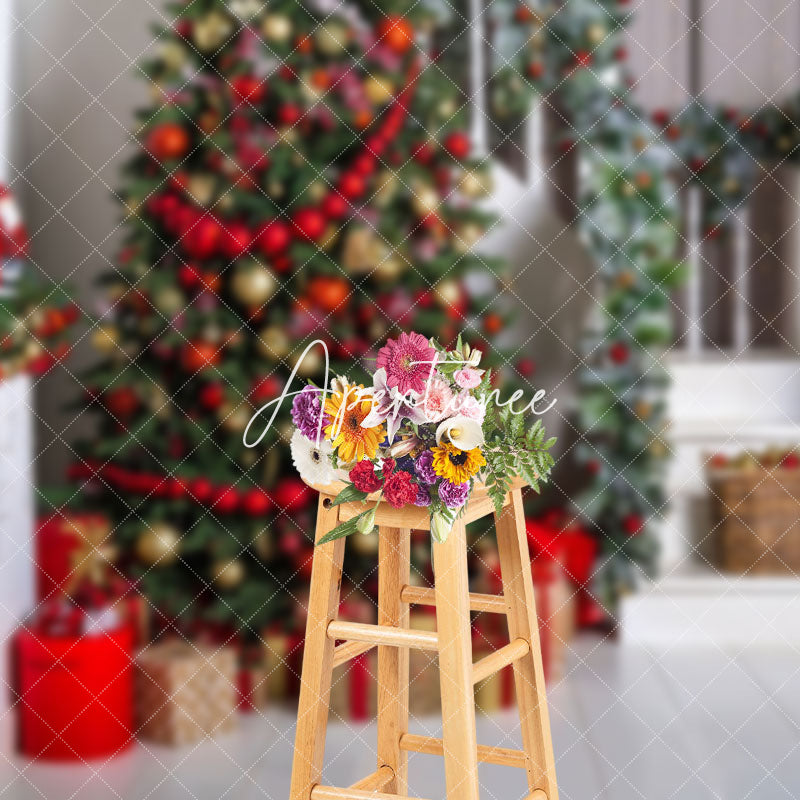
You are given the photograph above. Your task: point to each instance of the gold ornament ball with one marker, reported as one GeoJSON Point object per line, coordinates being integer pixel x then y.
{"type": "Point", "coordinates": [173, 55]}
{"type": "Point", "coordinates": [475, 183]}
{"type": "Point", "coordinates": [311, 365]}
{"type": "Point", "coordinates": [158, 544]}
{"type": "Point", "coordinates": [105, 339]}
{"type": "Point", "coordinates": [331, 38]}
{"type": "Point", "coordinates": [385, 188]}
{"type": "Point", "coordinates": [274, 343]}
{"type": "Point", "coordinates": [246, 10]}
{"type": "Point", "coordinates": [169, 300]}
{"type": "Point", "coordinates": [157, 401]}
{"type": "Point", "coordinates": [447, 109]}
{"type": "Point", "coordinates": [595, 33]}
{"type": "Point", "coordinates": [201, 188]}
{"type": "Point", "coordinates": [211, 31]}
{"type": "Point", "coordinates": [390, 268]}
{"type": "Point", "coordinates": [785, 143]}
{"type": "Point", "coordinates": [448, 292]}
{"type": "Point", "coordinates": [468, 236]}
{"type": "Point", "coordinates": [365, 545]}
{"type": "Point", "coordinates": [233, 419]}
{"type": "Point", "coordinates": [425, 200]}
{"type": "Point", "coordinates": [731, 186]}
{"type": "Point", "coordinates": [227, 574]}
{"type": "Point", "coordinates": [253, 284]}
{"type": "Point", "coordinates": [628, 189]}
{"type": "Point", "coordinates": [277, 28]}
{"type": "Point", "coordinates": [379, 89]}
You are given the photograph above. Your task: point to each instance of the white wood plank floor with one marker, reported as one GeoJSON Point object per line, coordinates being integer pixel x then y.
{"type": "Point", "coordinates": [628, 725]}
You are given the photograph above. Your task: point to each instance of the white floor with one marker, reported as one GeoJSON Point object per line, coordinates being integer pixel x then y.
{"type": "Point", "coordinates": [688, 723]}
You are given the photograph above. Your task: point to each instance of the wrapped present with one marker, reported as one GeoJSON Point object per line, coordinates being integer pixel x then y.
{"type": "Point", "coordinates": [69, 547]}
{"type": "Point", "coordinates": [353, 690]}
{"type": "Point", "coordinates": [73, 683]}
{"type": "Point", "coordinates": [423, 668]}
{"type": "Point", "coordinates": [283, 652]}
{"type": "Point", "coordinates": [185, 692]}
{"type": "Point", "coordinates": [252, 679]}
{"type": "Point", "coordinates": [556, 610]}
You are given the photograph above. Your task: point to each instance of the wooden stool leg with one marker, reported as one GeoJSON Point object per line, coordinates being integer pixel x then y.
{"type": "Point", "coordinates": [315, 683]}
{"type": "Point", "coordinates": [455, 665]}
{"type": "Point", "coordinates": [394, 553]}
{"type": "Point", "coordinates": [515, 566]}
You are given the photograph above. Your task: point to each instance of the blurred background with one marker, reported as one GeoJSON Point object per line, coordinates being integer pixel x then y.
{"type": "Point", "coordinates": [601, 195]}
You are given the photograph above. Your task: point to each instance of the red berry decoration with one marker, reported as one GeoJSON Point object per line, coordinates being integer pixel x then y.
{"type": "Point", "coordinates": [619, 352]}
{"type": "Point", "coordinates": [396, 33]}
{"type": "Point", "coordinates": [526, 367]}
{"type": "Point", "coordinates": [291, 494]}
{"type": "Point", "coordinates": [236, 240]}
{"type": "Point", "coordinates": [329, 292]}
{"type": "Point", "coordinates": [212, 396]}
{"type": "Point", "coordinates": [201, 489]}
{"type": "Point", "coordinates": [189, 276]}
{"type": "Point", "coordinates": [256, 502]}
{"type": "Point", "coordinates": [535, 70]}
{"type": "Point", "coordinates": [309, 223]}
{"type": "Point", "coordinates": [458, 144]}
{"type": "Point", "coordinates": [633, 524]}
{"type": "Point", "coordinates": [225, 500]}
{"type": "Point", "coordinates": [274, 238]}
{"type": "Point", "coordinates": [265, 389]}
{"type": "Point", "coordinates": [168, 142]}
{"type": "Point", "coordinates": [199, 355]}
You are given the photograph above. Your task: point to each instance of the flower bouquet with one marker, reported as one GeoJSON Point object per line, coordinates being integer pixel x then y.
{"type": "Point", "coordinates": [423, 434]}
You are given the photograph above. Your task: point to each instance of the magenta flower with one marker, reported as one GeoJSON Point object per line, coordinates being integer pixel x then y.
{"type": "Point", "coordinates": [453, 495]}
{"type": "Point", "coordinates": [408, 362]}
{"type": "Point", "coordinates": [468, 377]}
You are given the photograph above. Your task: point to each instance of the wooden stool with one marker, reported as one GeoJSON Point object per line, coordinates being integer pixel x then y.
{"type": "Point", "coordinates": [452, 642]}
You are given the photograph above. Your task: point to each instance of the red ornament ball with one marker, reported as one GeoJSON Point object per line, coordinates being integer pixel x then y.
{"type": "Point", "coordinates": [309, 223]}
{"type": "Point", "coordinates": [458, 144]}
{"type": "Point", "coordinates": [212, 396]}
{"type": "Point", "coordinates": [265, 389]}
{"type": "Point", "coordinates": [633, 524]}
{"type": "Point", "coordinates": [619, 353]}
{"type": "Point", "coordinates": [256, 502]}
{"type": "Point", "coordinates": [334, 206]}
{"type": "Point", "coordinates": [199, 355]}
{"type": "Point", "coordinates": [202, 240]}
{"type": "Point", "coordinates": [248, 89]}
{"type": "Point", "coordinates": [352, 185]}
{"type": "Point", "coordinates": [201, 489]}
{"type": "Point", "coordinates": [289, 114]}
{"type": "Point", "coordinates": [291, 494]}
{"type": "Point", "coordinates": [122, 402]}
{"type": "Point", "coordinates": [226, 500]}
{"type": "Point", "coordinates": [235, 240]}
{"type": "Point", "coordinates": [189, 276]}
{"type": "Point", "coordinates": [396, 33]}
{"type": "Point", "coordinates": [526, 367]}
{"type": "Point", "coordinates": [274, 238]}
{"type": "Point", "coordinates": [168, 141]}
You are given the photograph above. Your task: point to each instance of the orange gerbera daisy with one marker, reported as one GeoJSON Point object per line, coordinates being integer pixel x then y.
{"type": "Point", "coordinates": [347, 410]}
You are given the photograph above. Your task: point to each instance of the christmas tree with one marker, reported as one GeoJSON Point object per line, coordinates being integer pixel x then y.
{"type": "Point", "coordinates": [304, 173]}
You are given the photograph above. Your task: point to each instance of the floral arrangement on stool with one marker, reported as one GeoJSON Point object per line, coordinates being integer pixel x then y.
{"type": "Point", "coordinates": [423, 434]}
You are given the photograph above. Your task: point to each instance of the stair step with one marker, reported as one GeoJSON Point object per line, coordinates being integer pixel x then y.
{"type": "Point", "coordinates": [495, 661]}
{"type": "Point", "coordinates": [421, 596]}
{"type": "Point", "coordinates": [383, 635]}
{"type": "Point", "coordinates": [432, 746]}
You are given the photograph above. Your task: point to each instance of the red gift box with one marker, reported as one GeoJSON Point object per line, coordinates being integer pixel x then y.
{"type": "Point", "coordinates": [73, 693]}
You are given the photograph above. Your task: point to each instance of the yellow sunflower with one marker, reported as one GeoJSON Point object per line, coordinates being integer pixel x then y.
{"type": "Point", "coordinates": [347, 410]}
{"type": "Point", "coordinates": [457, 466]}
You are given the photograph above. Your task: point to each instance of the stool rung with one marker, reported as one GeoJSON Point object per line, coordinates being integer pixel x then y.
{"type": "Point", "coordinates": [495, 661]}
{"type": "Point", "coordinates": [375, 781]}
{"type": "Point", "coordinates": [332, 793]}
{"type": "Point", "coordinates": [348, 650]}
{"type": "Point", "coordinates": [420, 596]}
{"type": "Point", "coordinates": [383, 635]}
{"type": "Point", "coordinates": [491, 755]}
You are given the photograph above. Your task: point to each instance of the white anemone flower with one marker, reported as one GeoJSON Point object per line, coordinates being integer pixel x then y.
{"type": "Point", "coordinates": [312, 462]}
{"type": "Point", "coordinates": [462, 432]}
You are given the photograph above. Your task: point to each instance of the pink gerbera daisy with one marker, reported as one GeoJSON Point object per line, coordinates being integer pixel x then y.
{"type": "Point", "coordinates": [408, 362]}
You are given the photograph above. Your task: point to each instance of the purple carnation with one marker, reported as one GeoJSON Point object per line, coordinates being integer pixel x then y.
{"type": "Point", "coordinates": [423, 466]}
{"type": "Point", "coordinates": [307, 410]}
{"type": "Point", "coordinates": [454, 495]}
{"type": "Point", "coordinates": [423, 496]}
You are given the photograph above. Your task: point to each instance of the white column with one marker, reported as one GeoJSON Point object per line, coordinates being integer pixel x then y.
{"type": "Point", "coordinates": [694, 285]}
{"type": "Point", "coordinates": [477, 77]}
{"type": "Point", "coordinates": [741, 280]}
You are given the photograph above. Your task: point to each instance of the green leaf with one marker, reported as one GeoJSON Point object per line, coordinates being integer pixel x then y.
{"type": "Point", "coordinates": [348, 495]}
{"type": "Point", "coordinates": [345, 529]}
